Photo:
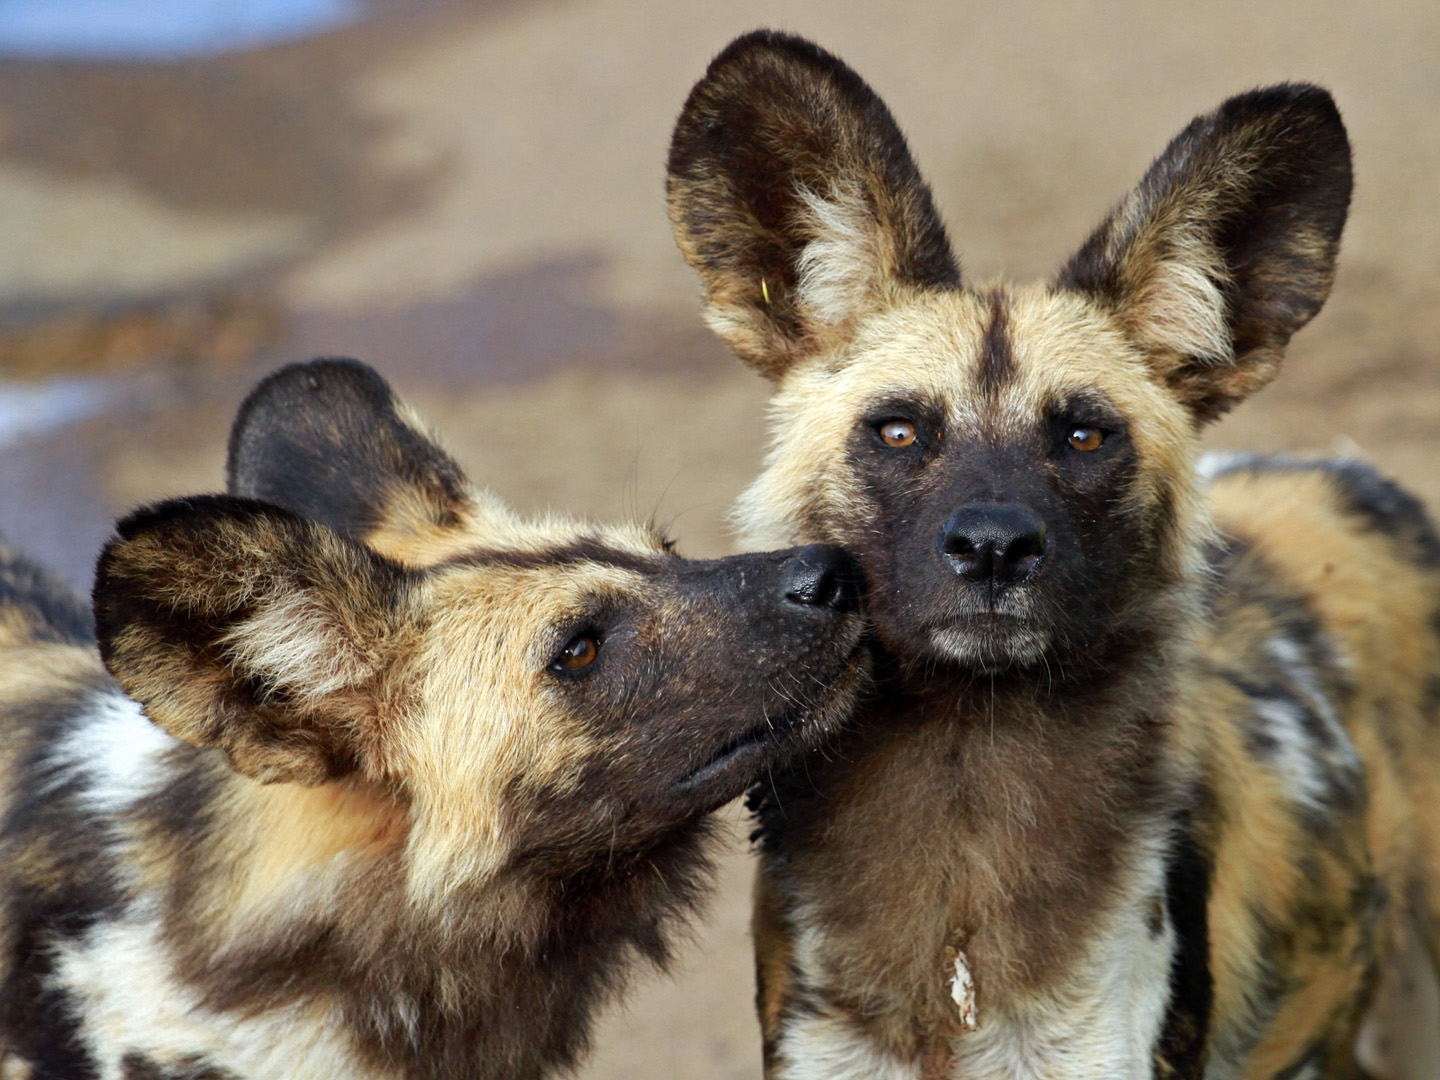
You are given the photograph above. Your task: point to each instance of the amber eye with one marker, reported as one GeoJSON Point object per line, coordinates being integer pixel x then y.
{"type": "Point", "coordinates": [579, 653]}
{"type": "Point", "coordinates": [1086, 438]}
{"type": "Point", "coordinates": [897, 432]}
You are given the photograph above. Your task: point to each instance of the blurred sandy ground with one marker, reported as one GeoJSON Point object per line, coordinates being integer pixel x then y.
{"type": "Point", "coordinates": [469, 196]}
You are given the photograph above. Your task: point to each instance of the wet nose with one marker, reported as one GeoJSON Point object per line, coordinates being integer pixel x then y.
{"type": "Point", "coordinates": [1001, 545]}
{"type": "Point", "coordinates": [821, 576]}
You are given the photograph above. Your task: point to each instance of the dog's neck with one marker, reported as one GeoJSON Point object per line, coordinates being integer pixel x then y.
{"type": "Point", "coordinates": [508, 970]}
{"type": "Point", "coordinates": [1001, 816]}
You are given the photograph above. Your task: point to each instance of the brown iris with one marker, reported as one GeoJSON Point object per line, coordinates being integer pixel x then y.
{"type": "Point", "coordinates": [1086, 438]}
{"type": "Point", "coordinates": [897, 432]}
{"type": "Point", "coordinates": [579, 653]}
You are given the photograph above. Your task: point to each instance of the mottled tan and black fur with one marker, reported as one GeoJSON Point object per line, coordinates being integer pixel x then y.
{"type": "Point", "coordinates": [1152, 784]}
{"type": "Point", "coordinates": [376, 779]}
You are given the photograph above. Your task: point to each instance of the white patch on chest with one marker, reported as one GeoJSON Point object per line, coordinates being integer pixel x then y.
{"type": "Point", "coordinates": [1103, 1020]}
{"type": "Point", "coordinates": [129, 1001]}
{"type": "Point", "coordinates": [1100, 1022]}
{"type": "Point", "coordinates": [828, 1048]}
{"type": "Point", "coordinates": [820, 1047]}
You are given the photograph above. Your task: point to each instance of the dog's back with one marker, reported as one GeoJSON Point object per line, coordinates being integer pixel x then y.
{"type": "Point", "coordinates": [36, 608]}
{"type": "Point", "coordinates": [46, 646]}
{"type": "Point", "coordinates": [47, 643]}
{"type": "Point", "coordinates": [1325, 652]}
{"type": "Point", "coordinates": [48, 665]}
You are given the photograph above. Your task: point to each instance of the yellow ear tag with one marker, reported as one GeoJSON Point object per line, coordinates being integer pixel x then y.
{"type": "Point", "coordinates": [764, 292]}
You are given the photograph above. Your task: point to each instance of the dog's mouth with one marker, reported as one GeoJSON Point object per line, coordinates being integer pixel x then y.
{"type": "Point", "coordinates": [757, 740]}
{"type": "Point", "coordinates": [744, 754]}
{"type": "Point", "coordinates": [988, 641]}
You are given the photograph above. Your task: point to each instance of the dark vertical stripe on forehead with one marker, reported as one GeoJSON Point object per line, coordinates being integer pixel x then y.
{"type": "Point", "coordinates": [997, 365]}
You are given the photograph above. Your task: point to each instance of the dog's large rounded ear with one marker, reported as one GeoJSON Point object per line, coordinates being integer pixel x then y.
{"type": "Point", "coordinates": [795, 198]}
{"type": "Point", "coordinates": [241, 626]}
{"type": "Point", "coordinates": [1228, 244]}
{"type": "Point", "coordinates": [330, 440]}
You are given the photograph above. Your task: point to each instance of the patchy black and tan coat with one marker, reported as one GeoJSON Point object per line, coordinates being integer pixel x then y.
{"type": "Point", "coordinates": [381, 780]}
{"type": "Point", "coordinates": [1152, 786]}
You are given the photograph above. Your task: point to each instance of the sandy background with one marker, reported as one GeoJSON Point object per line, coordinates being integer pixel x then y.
{"type": "Point", "coordinates": [469, 197]}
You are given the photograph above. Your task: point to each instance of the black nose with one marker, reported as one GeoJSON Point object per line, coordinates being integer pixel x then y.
{"type": "Point", "coordinates": [821, 576]}
{"type": "Point", "coordinates": [1002, 545]}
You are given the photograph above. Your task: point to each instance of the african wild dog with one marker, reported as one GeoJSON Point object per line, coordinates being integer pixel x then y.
{"type": "Point", "coordinates": [422, 777]}
{"type": "Point", "coordinates": [1152, 783]}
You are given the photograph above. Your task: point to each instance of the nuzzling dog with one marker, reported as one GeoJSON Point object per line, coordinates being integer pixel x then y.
{"type": "Point", "coordinates": [1151, 787]}
{"type": "Point", "coordinates": [381, 780]}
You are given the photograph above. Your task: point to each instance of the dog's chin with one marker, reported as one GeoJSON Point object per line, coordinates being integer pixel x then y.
{"type": "Point", "coordinates": [988, 644]}
{"type": "Point", "coordinates": [732, 767]}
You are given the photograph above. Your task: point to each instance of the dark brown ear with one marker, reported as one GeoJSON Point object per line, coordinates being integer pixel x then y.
{"type": "Point", "coordinates": [331, 441]}
{"type": "Point", "coordinates": [1228, 244]}
{"type": "Point", "coordinates": [241, 626]}
{"type": "Point", "coordinates": [795, 198]}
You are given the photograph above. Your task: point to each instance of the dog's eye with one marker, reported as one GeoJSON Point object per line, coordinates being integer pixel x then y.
{"type": "Point", "coordinates": [579, 652]}
{"type": "Point", "coordinates": [897, 432]}
{"type": "Point", "coordinates": [1086, 438]}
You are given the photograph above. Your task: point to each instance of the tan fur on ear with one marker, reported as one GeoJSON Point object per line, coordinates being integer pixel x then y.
{"type": "Point", "coordinates": [1175, 306]}
{"type": "Point", "coordinates": [1228, 244]}
{"type": "Point", "coordinates": [794, 197]}
{"type": "Point", "coordinates": [240, 626]}
{"type": "Point", "coordinates": [847, 264]}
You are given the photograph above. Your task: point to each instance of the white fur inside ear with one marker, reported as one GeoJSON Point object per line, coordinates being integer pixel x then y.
{"type": "Point", "coordinates": [839, 268]}
{"type": "Point", "coordinates": [296, 642]}
{"type": "Point", "coordinates": [1180, 308]}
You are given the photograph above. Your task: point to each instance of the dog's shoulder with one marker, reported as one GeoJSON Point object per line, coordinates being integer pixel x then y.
{"type": "Point", "coordinates": [1312, 550]}
{"type": "Point", "coordinates": [1337, 500]}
